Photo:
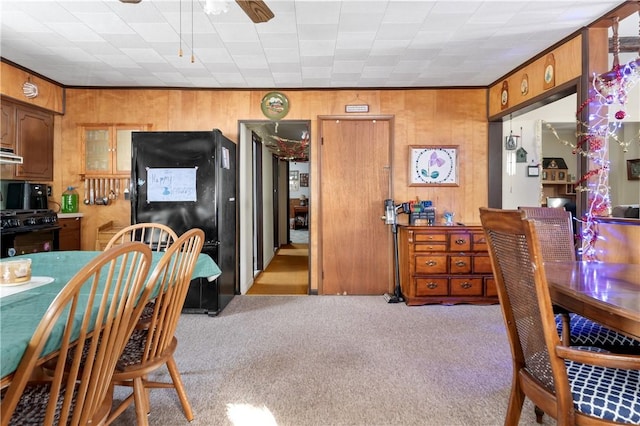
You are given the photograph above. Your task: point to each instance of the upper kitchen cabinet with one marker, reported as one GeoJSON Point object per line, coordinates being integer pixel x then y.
{"type": "Point", "coordinates": [28, 132]}
{"type": "Point", "coordinates": [106, 148]}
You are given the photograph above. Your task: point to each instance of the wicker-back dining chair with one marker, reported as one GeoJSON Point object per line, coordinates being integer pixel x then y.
{"type": "Point", "coordinates": [156, 235]}
{"type": "Point", "coordinates": [555, 232]}
{"type": "Point", "coordinates": [153, 343]}
{"type": "Point", "coordinates": [571, 384]}
{"type": "Point", "coordinates": [78, 388]}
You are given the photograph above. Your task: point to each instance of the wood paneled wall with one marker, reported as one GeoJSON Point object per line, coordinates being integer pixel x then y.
{"type": "Point", "coordinates": [422, 117]}
{"type": "Point", "coordinates": [50, 96]}
{"type": "Point", "coordinates": [568, 66]}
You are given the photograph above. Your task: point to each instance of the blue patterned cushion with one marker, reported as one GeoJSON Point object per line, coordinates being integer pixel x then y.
{"type": "Point", "coordinates": [585, 332]}
{"type": "Point", "coordinates": [606, 393]}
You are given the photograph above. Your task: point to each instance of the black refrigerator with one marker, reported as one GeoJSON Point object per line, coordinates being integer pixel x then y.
{"type": "Point", "coordinates": [188, 180]}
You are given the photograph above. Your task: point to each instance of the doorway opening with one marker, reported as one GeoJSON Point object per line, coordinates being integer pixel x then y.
{"type": "Point", "coordinates": [270, 155]}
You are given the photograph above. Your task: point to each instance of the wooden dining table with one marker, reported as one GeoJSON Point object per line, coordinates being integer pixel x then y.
{"type": "Point", "coordinates": [608, 293]}
{"type": "Point", "coordinates": [23, 306]}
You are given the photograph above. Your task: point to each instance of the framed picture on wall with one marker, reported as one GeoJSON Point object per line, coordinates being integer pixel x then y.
{"type": "Point", "coordinates": [633, 169]}
{"type": "Point", "coordinates": [433, 165]}
{"type": "Point", "coordinates": [304, 179]}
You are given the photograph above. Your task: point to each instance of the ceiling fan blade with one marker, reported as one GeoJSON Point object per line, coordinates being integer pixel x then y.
{"type": "Point", "coordinates": [130, 1]}
{"type": "Point", "coordinates": [257, 10]}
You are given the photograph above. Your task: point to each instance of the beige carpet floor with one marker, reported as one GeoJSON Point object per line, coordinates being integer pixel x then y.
{"type": "Point", "coordinates": [339, 361]}
{"type": "Point", "coordinates": [286, 274]}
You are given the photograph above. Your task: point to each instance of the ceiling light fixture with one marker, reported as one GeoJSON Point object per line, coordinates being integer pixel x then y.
{"type": "Point", "coordinates": [216, 7]}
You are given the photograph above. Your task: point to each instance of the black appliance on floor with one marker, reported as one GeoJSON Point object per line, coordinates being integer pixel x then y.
{"type": "Point", "coordinates": [188, 180]}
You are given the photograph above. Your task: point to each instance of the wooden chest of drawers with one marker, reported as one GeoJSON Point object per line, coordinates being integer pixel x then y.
{"type": "Point", "coordinates": [445, 264]}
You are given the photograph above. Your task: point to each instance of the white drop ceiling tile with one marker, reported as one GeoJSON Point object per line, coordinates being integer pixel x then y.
{"type": "Point", "coordinates": [324, 12]}
{"type": "Point", "coordinates": [316, 72]}
{"type": "Point", "coordinates": [407, 12]}
{"type": "Point", "coordinates": [250, 61]}
{"type": "Point", "coordinates": [143, 12]}
{"type": "Point", "coordinates": [251, 48]}
{"type": "Point", "coordinates": [279, 56]}
{"type": "Point", "coordinates": [214, 55]}
{"type": "Point", "coordinates": [351, 54]}
{"type": "Point", "coordinates": [359, 7]}
{"type": "Point", "coordinates": [318, 32]}
{"type": "Point", "coordinates": [355, 41]}
{"type": "Point", "coordinates": [316, 61]}
{"type": "Point", "coordinates": [183, 64]}
{"type": "Point", "coordinates": [411, 66]}
{"type": "Point", "coordinates": [383, 61]}
{"type": "Point", "coordinates": [104, 23]}
{"type": "Point", "coordinates": [286, 68]}
{"type": "Point", "coordinates": [127, 41]}
{"type": "Point", "coordinates": [317, 47]}
{"type": "Point", "coordinates": [155, 32]}
{"type": "Point", "coordinates": [341, 67]}
{"type": "Point", "coordinates": [386, 47]}
{"type": "Point", "coordinates": [359, 23]}
{"type": "Point", "coordinates": [204, 82]}
{"type": "Point", "coordinates": [231, 79]}
{"type": "Point", "coordinates": [283, 23]}
{"type": "Point", "coordinates": [397, 31]}
{"type": "Point", "coordinates": [278, 41]}
{"type": "Point", "coordinates": [170, 77]}
{"type": "Point", "coordinates": [98, 48]}
{"type": "Point", "coordinates": [376, 72]}
{"type": "Point", "coordinates": [23, 22]}
{"type": "Point", "coordinates": [222, 68]}
{"type": "Point", "coordinates": [237, 32]}
{"type": "Point", "coordinates": [143, 55]}
{"type": "Point", "coordinates": [287, 79]}
{"type": "Point", "coordinates": [73, 54]}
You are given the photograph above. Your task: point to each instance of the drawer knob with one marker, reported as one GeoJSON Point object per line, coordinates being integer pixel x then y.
{"type": "Point", "coordinates": [461, 263]}
{"type": "Point", "coordinates": [465, 285]}
{"type": "Point", "coordinates": [431, 285]}
{"type": "Point", "coordinates": [460, 241]}
{"type": "Point", "coordinates": [431, 263]}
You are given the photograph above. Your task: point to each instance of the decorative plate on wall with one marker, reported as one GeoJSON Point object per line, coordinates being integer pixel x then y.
{"type": "Point", "coordinates": [275, 105]}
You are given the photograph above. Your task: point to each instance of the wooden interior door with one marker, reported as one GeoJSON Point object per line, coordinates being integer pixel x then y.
{"type": "Point", "coordinates": [355, 181]}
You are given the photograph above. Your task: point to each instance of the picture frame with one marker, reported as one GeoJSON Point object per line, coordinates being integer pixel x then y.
{"type": "Point", "coordinates": [294, 174]}
{"type": "Point", "coordinates": [433, 165]}
{"type": "Point", "coordinates": [533, 171]}
{"type": "Point", "coordinates": [304, 179]}
{"type": "Point", "coordinates": [633, 169]}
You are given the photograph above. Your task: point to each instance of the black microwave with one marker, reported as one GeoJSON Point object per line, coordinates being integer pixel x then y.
{"type": "Point", "coordinates": [26, 196]}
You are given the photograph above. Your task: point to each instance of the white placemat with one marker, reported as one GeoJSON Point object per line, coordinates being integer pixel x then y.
{"type": "Point", "coordinates": [8, 290]}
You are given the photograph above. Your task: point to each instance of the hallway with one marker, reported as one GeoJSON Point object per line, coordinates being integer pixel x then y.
{"type": "Point", "coordinates": [287, 273]}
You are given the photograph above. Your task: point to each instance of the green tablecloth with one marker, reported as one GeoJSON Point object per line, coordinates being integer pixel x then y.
{"type": "Point", "coordinates": [20, 313]}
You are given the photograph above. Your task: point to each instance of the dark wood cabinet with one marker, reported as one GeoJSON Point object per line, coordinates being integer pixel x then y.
{"type": "Point", "coordinates": [445, 264]}
{"type": "Point", "coordinates": [70, 237]}
{"type": "Point", "coordinates": [29, 132]}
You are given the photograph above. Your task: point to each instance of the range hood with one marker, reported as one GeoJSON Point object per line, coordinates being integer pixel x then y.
{"type": "Point", "coordinates": [8, 157]}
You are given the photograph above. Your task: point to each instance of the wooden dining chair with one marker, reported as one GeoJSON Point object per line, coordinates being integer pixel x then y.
{"type": "Point", "coordinates": [153, 344]}
{"type": "Point", "coordinates": [109, 291]}
{"type": "Point", "coordinates": [574, 385]}
{"type": "Point", "coordinates": [156, 235]}
{"type": "Point", "coordinates": [554, 228]}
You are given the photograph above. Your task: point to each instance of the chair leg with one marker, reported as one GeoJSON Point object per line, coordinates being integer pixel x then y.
{"type": "Point", "coordinates": [539, 414]}
{"type": "Point", "coordinates": [177, 383]}
{"type": "Point", "coordinates": [566, 329]}
{"type": "Point", "coordinates": [516, 401]}
{"type": "Point", "coordinates": [140, 393]}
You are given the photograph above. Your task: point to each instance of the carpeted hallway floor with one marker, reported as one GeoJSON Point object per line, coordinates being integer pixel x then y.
{"type": "Point", "coordinates": [286, 274]}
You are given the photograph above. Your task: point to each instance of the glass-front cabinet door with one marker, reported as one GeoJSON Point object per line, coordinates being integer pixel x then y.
{"type": "Point", "coordinates": [107, 148]}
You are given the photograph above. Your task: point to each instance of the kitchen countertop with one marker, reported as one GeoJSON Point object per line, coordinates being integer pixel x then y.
{"type": "Point", "coordinates": [69, 215]}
